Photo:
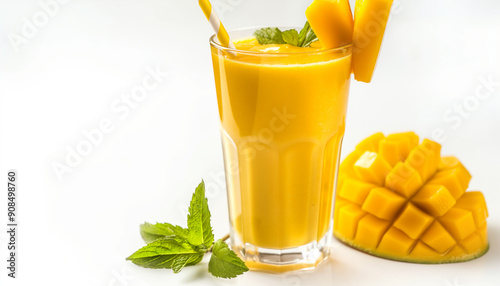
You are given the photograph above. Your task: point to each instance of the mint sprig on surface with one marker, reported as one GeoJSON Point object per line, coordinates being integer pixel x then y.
{"type": "Point", "coordinates": [174, 247]}
{"type": "Point", "coordinates": [304, 38]}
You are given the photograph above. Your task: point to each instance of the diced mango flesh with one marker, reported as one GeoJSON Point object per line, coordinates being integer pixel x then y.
{"type": "Point", "coordinates": [371, 143]}
{"type": "Point", "coordinates": [370, 230]}
{"type": "Point", "coordinates": [421, 250]}
{"type": "Point", "coordinates": [459, 222]}
{"type": "Point", "coordinates": [453, 180]}
{"type": "Point", "coordinates": [416, 209]}
{"type": "Point", "coordinates": [395, 242]}
{"type": "Point", "coordinates": [438, 238]}
{"type": "Point", "coordinates": [404, 180]}
{"type": "Point", "coordinates": [476, 204]}
{"type": "Point", "coordinates": [396, 147]}
{"type": "Point", "coordinates": [425, 158]}
{"type": "Point", "coordinates": [383, 203]}
{"type": "Point", "coordinates": [413, 221]}
{"type": "Point", "coordinates": [348, 218]}
{"type": "Point", "coordinates": [355, 191]}
{"type": "Point", "coordinates": [471, 243]}
{"type": "Point", "coordinates": [434, 199]}
{"type": "Point", "coordinates": [372, 168]}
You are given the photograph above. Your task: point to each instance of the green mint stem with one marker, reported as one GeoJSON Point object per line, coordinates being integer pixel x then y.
{"type": "Point", "coordinates": [224, 238]}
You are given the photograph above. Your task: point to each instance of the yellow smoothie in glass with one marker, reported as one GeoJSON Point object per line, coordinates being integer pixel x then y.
{"type": "Point", "coordinates": [282, 111]}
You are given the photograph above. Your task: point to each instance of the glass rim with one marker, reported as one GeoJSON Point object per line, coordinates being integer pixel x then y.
{"type": "Point", "coordinates": [218, 46]}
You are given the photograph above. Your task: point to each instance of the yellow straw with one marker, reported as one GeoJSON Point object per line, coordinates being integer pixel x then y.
{"type": "Point", "coordinates": [219, 29]}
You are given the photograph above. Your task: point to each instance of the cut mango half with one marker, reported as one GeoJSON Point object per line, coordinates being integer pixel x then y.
{"type": "Point", "coordinates": [401, 200]}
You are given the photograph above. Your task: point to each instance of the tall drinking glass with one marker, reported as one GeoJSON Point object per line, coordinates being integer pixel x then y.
{"type": "Point", "coordinates": [282, 122]}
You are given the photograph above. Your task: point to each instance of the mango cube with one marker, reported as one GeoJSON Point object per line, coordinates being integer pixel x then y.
{"type": "Point", "coordinates": [456, 251]}
{"type": "Point", "coordinates": [355, 191]}
{"type": "Point", "coordinates": [347, 166]}
{"type": "Point", "coordinates": [483, 233]}
{"type": "Point", "coordinates": [370, 230]}
{"type": "Point", "coordinates": [434, 199]}
{"type": "Point", "coordinates": [404, 180]}
{"type": "Point", "coordinates": [422, 213]}
{"type": "Point", "coordinates": [471, 243]}
{"type": "Point", "coordinates": [371, 143]}
{"type": "Point", "coordinates": [410, 140]}
{"type": "Point", "coordinates": [452, 180]}
{"type": "Point", "coordinates": [425, 158]}
{"type": "Point", "coordinates": [383, 203]}
{"type": "Point", "coordinates": [396, 147]}
{"type": "Point", "coordinates": [423, 251]}
{"type": "Point", "coordinates": [451, 162]}
{"type": "Point", "coordinates": [459, 222]}
{"type": "Point", "coordinates": [476, 204]}
{"type": "Point", "coordinates": [339, 203]}
{"type": "Point", "coordinates": [391, 150]}
{"type": "Point", "coordinates": [413, 221]}
{"type": "Point", "coordinates": [348, 218]}
{"type": "Point", "coordinates": [438, 238]}
{"type": "Point", "coordinates": [372, 168]}
{"type": "Point", "coordinates": [395, 242]}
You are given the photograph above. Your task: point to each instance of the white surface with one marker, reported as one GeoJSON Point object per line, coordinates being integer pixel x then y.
{"type": "Point", "coordinates": [69, 73]}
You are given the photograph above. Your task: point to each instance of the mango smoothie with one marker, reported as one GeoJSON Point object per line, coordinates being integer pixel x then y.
{"type": "Point", "coordinates": [282, 111]}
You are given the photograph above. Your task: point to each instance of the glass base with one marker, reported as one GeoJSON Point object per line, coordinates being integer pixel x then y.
{"type": "Point", "coordinates": [304, 257]}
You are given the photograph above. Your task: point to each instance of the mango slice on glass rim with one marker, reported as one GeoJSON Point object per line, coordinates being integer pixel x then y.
{"type": "Point", "coordinates": [331, 21]}
{"type": "Point", "coordinates": [370, 20]}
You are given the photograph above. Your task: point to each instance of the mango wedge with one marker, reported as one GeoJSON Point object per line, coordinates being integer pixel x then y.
{"type": "Point", "coordinates": [332, 22]}
{"type": "Point", "coordinates": [402, 201]}
{"type": "Point", "coordinates": [370, 20]}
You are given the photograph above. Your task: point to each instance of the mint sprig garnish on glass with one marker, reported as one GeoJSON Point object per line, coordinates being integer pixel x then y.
{"type": "Point", "coordinates": [174, 247]}
{"type": "Point", "coordinates": [304, 38]}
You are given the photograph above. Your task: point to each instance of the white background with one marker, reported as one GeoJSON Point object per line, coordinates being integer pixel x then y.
{"type": "Point", "coordinates": [64, 77]}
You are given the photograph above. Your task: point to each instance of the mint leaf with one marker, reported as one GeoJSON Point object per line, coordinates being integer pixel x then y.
{"type": "Point", "coordinates": [184, 260]}
{"type": "Point", "coordinates": [224, 262]}
{"type": "Point", "coordinates": [307, 36]}
{"type": "Point", "coordinates": [291, 37]}
{"type": "Point", "coordinates": [303, 34]}
{"type": "Point", "coordinates": [310, 38]}
{"type": "Point", "coordinates": [152, 232]}
{"type": "Point", "coordinates": [200, 231]}
{"type": "Point", "coordinates": [268, 36]}
{"type": "Point", "coordinates": [166, 253]}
